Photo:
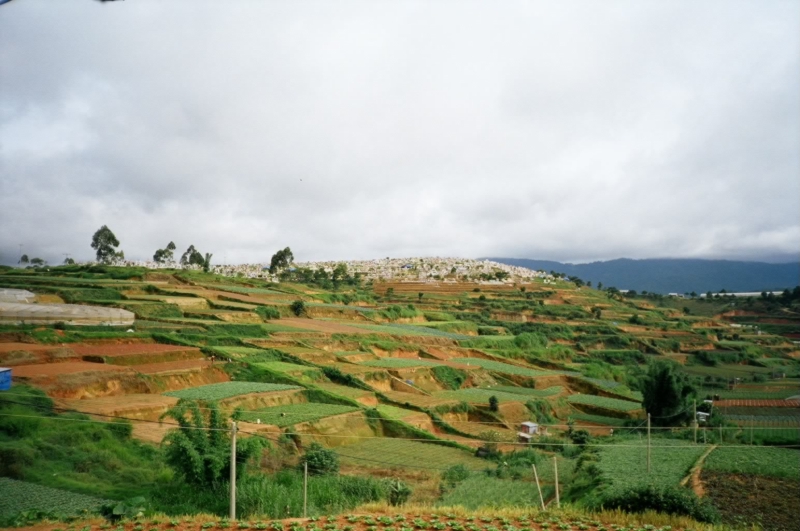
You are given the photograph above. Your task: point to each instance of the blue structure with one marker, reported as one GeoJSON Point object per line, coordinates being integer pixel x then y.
{"type": "Point", "coordinates": [5, 379]}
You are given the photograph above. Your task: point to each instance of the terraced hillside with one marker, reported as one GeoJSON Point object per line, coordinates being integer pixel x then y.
{"type": "Point", "coordinates": [403, 380]}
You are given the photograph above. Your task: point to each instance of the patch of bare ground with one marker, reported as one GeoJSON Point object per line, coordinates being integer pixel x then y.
{"type": "Point", "coordinates": [745, 500]}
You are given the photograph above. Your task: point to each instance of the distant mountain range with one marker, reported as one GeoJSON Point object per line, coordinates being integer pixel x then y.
{"type": "Point", "coordinates": [675, 275]}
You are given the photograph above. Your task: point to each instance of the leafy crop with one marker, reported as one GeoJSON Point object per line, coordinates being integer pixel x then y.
{"type": "Point", "coordinates": [400, 363]}
{"type": "Point", "coordinates": [614, 404]}
{"type": "Point", "coordinates": [624, 465]}
{"type": "Point", "coordinates": [17, 496]}
{"type": "Point", "coordinates": [223, 390]}
{"type": "Point", "coordinates": [505, 368]}
{"type": "Point", "coordinates": [756, 460]}
{"type": "Point", "coordinates": [404, 453]}
{"type": "Point", "coordinates": [295, 413]}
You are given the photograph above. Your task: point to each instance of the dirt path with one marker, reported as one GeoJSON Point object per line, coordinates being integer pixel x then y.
{"type": "Point", "coordinates": [694, 474]}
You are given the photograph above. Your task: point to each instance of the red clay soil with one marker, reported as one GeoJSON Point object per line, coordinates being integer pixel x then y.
{"type": "Point", "coordinates": [172, 366]}
{"type": "Point", "coordinates": [757, 403]}
{"type": "Point", "coordinates": [28, 347]}
{"type": "Point", "coordinates": [126, 350]}
{"type": "Point", "coordinates": [69, 367]}
{"type": "Point", "coordinates": [534, 521]}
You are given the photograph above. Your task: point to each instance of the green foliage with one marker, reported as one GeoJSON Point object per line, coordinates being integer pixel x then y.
{"type": "Point", "coordinates": [755, 460]}
{"type": "Point", "coordinates": [200, 449]}
{"type": "Point", "coordinates": [449, 377]}
{"type": "Point", "coordinates": [281, 260]}
{"type": "Point", "coordinates": [320, 460]}
{"type": "Point", "coordinates": [501, 367]}
{"type": "Point", "coordinates": [238, 330]}
{"type": "Point", "coordinates": [667, 394]}
{"type": "Point", "coordinates": [69, 451]}
{"type": "Point", "coordinates": [494, 404]}
{"type": "Point", "coordinates": [665, 499]}
{"type": "Point", "coordinates": [395, 312]}
{"type": "Point", "coordinates": [287, 415]}
{"type": "Point", "coordinates": [220, 391]}
{"type": "Point", "coordinates": [399, 491]}
{"type": "Point", "coordinates": [268, 312]}
{"type": "Point", "coordinates": [530, 340]}
{"type": "Point", "coordinates": [614, 404]}
{"type": "Point", "coordinates": [542, 410]}
{"type": "Point", "coordinates": [281, 495]}
{"type": "Point", "coordinates": [298, 307]}
{"type": "Point", "coordinates": [105, 243]}
{"type": "Point", "coordinates": [19, 496]}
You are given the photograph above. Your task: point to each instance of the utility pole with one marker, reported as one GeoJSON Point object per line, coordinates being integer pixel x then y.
{"type": "Point", "coordinates": [232, 515]}
{"type": "Point", "coordinates": [648, 443]}
{"type": "Point", "coordinates": [538, 487]}
{"type": "Point", "coordinates": [305, 489]}
{"type": "Point", "coordinates": [555, 472]}
{"type": "Point", "coordinates": [694, 421]}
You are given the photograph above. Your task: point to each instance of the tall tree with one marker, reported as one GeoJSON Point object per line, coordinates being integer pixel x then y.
{"type": "Point", "coordinates": [105, 243]}
{"type": "Point", "coordinates": [667, 394]}
{"type": "Point", "coordinates": [281, 260]}
{"type": "Point", "coordinates": [192, 257]}
{"type": "Point", "coordinates": [165, 255]}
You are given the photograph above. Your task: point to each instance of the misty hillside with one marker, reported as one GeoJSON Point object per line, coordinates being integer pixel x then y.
{"type": "Point", "coordinates": [675, 275]}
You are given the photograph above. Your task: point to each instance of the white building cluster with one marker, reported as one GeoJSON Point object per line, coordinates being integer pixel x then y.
{"type": "Point", "coordinates": [429, 269]}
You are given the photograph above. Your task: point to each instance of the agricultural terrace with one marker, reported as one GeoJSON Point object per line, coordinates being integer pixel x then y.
{"type": "Point", "coordinates": [400, 363]}
{"type": "Point", "coordinates": [296, 340]}
{"type": "Point", "coordinates": [224, 390]}
{"type": "Point", "coordinates": [16, 496]}
{"type": "Point", "coordinates": [401, 453]}
{"type": "Point", "coordinates": [288, 415]}
{"type": "Point", "coordinates": [482, 396]}
{"type": "Point", "coordinates": [755, 460]}
{"type": "Point", "coordinates": [504, 368]}
{"type": "Point", "coordinates": [624, 465]}
{"type": "Point", "coordinates": [603, 402]}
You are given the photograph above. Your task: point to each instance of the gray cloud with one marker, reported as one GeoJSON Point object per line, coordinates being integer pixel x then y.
{"type": "Point", "coordinates": [569, 131]}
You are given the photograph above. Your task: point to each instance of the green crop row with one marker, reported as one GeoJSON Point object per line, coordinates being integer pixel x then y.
{"type": "Point", "coordinates": [224, 390]}
{"type": "Point", "coordinates": [288, 415]}
{"type": "Point", "coordinates": [400, 363]}
{"type": "Point", "coordinates": [505, 368]}
{"type": "Point", "coordinates": [756, 460]}
{"type": "Point", "coordinates": [625, 465]}
{"type": "Point", "coordinates": [384, 453]}
{"type": "Point", "coordinates": [604, 402]}
{"type": "Point", "coordinates": [17, 496]}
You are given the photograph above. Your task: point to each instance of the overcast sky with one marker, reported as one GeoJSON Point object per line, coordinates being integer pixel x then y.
{"type": "Point", "coordinates": [563, 130]}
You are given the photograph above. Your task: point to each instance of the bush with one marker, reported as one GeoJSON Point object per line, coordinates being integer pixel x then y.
{"type": "Point", "coordinates": [449, 377]}
{"type": "Point", "coordinates": [399, 492]}
{"type": "Point", "coordinates": [320, 460]}
{"type": "Point", "coordinates": [529, 340]}
{"type": "Point", "coordinates": [268, 312]}
{"type": "Point", "coordinates": [665, 499]}
{"type": "Point", "coordinates": [298, 307]}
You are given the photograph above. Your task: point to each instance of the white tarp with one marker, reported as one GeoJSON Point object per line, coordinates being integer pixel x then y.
{"type": "Point", "coordinates": [16, 295]}
{"type": "Point", "coordinates": [71, 314]}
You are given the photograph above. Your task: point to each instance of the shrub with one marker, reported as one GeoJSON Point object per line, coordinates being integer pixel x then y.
{"type": "Point", "coordinates": [494, 404]}
{"type": "Point", "coordinates": [665, 499]}
{"type": "Point", "coordinates": [529, 340]}
{"type": "Point", "coordinates": [399, 492]}
{"type": "Point", "coordinates": [268, 312]}
{"type": "Point", "coordinates": [320, 460]}
{"type": "Point", "coordinates": [298, 307]}
{"type": "Point", "coordinates": [449, 377]}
